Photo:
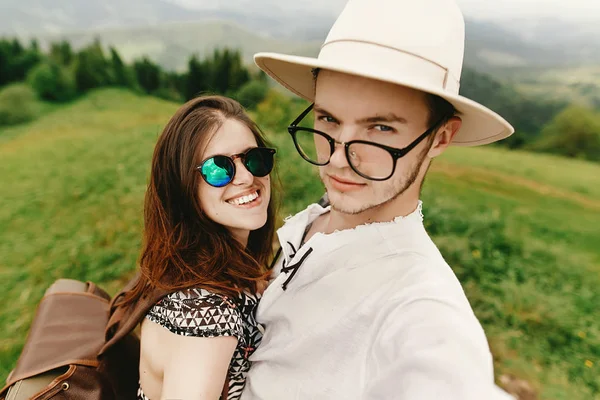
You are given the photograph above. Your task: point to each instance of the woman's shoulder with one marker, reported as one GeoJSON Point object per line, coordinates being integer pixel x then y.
{"type": "Point", "coordinates": [206, 298]}
{"type": "Point", "coordinates": [198, 312]}
{"type": "Point", "coordinates": [196, 295]}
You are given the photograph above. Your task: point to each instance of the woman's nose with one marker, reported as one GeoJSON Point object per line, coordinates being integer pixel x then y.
{"type": "Point", "coordinates": [242, 175]}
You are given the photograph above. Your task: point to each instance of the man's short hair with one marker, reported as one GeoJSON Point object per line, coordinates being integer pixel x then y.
{"type": "Point", "coordinates": [440, 109]}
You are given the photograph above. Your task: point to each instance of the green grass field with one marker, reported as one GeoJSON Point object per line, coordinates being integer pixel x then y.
{"type": "Point", "coordinates": [522, 231]}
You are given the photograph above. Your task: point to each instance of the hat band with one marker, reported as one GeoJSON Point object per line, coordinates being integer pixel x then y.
{"type": "Point", "coordinates": [388, 63]}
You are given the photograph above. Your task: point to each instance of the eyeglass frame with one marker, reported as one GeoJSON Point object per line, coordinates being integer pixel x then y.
{"type": "Point", "coordinates": [395, 152]}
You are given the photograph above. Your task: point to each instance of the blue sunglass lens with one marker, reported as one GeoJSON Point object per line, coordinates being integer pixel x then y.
{"type": "Point", "coordinates": [217, 171]}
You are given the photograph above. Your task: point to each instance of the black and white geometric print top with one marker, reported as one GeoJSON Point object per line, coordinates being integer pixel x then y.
{"type": "Point", "coordinates": [201, 313]}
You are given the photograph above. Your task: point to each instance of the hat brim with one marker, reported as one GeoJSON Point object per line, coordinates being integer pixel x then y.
{"type": "Point", "coordinates": [480, 125]}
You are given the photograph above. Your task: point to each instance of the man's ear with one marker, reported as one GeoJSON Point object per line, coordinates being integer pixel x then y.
{"type": "Point", "coordinates": [444, 136]}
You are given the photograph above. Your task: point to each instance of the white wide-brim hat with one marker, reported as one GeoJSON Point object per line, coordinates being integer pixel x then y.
{"type": "Point", "coordinates": [413, 43]}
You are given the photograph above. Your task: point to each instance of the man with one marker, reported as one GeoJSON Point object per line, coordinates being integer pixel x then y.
{"type": "Point", "coordinates": [362, 304]}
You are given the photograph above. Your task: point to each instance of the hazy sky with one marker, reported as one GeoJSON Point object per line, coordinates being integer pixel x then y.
{"type": "Point", "coordinates": [486, 9]}
{"type": "Point", "coordinates": [562, 9]}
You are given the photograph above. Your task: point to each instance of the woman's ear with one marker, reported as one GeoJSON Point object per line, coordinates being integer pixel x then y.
{"type": "Point", "coordinates": [444, 136]}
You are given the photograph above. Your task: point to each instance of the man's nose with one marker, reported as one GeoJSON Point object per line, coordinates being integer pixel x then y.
{"type": "Point", "coordinates": [338, 158]}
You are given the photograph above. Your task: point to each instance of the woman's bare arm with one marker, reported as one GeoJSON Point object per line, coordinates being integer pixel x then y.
{"type": "Point", "coordinates": [196, 367]}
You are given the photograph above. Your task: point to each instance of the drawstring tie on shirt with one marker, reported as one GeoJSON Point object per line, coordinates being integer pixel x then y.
{"type": "Point", "coordinates": [294, 267]}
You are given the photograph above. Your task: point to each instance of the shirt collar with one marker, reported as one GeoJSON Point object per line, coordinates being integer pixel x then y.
{"type": "Point", "coordinates": [293, 229]}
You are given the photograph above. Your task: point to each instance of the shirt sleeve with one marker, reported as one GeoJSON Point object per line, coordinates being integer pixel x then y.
{"type": "Point", "coordinates": [430, 349]}
{"type": "Point", "coordinates": [200, 313]}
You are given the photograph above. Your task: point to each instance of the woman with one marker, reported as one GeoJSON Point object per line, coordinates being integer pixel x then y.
{"type": "Point", "coordinates": [209, 226]}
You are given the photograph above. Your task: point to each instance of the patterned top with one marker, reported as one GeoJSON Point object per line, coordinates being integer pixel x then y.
{"type": "Point", "coordinates": [201, 313]}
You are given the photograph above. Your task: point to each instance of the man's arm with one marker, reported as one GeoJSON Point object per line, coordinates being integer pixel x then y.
{"type": "Point", "coordinates": [430, 349]}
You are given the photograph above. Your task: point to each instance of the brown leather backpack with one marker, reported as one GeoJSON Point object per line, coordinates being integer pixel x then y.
{"type": "Point", "coordinates": [81, 346]}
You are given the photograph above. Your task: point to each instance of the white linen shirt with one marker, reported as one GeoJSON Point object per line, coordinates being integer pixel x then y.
{"type": "Point", "coordinates": [372, 313]}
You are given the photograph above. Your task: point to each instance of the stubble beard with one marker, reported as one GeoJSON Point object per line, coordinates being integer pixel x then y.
{"type": "Point", "coordinates": [392, 193]}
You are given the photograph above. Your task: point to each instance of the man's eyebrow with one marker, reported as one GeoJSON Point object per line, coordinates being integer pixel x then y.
{"type": "Point", "coordinates": [321, 110]}
{"type": "Point", "coordinates": [390, 117]}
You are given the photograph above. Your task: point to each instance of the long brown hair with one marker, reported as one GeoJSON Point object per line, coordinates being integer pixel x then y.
{"type": "Point", "coordinates": [182, 247]}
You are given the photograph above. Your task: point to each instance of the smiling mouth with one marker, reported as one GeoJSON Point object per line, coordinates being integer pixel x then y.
{"type": "Point", "coordinates": [247, 199]}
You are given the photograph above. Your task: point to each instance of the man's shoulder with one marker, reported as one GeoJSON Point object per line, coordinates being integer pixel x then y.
{"type": "Point", "coordinates": [418, 276]}
{"type": "Point", "coordinates": [419, 260]}
{"type": "Point", "coordinates": [426, 289]}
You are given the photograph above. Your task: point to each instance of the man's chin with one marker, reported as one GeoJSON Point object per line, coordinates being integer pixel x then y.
{"type": "Point", "coordinates": [345, 203]}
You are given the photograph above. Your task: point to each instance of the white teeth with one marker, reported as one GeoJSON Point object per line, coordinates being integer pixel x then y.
{"type": "Point", "coordinates": [244, 199]}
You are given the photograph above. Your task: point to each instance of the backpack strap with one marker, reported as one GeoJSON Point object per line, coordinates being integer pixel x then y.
{"type": "Point", "coordinates": [124, 319]}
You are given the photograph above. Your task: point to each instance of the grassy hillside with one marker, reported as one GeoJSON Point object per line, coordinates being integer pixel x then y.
{"type": "Point", "coordinates": [520, 230]}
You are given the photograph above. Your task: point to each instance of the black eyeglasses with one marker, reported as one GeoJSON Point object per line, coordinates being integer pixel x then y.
{"type": "Point", "coordinates": [373, 161]}
{"type": "Point", "coordinates": [219, 171]}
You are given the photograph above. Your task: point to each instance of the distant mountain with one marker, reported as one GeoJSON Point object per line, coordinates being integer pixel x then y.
{"type": "Point", "coordinates": [171, 45]}
{"type": "Point", "coordinates": [169, 33]}
{"type": "Point", "coordinates": [43, 17]}
{"type": "Point", "coordinates": [26, 17]}
{"type": "Point", "coordinates": [576, 41]}
{"type": "Point", "coordinates": [489, 45]}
